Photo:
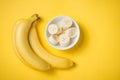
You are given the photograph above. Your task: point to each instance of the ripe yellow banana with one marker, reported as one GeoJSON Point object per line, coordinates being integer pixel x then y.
{"type": "Point", "coordinates": [56, 62]}
{"type": "Point", "coordinates": [21, 44]}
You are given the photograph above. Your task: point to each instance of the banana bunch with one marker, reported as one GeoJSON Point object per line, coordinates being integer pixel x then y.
{"type": "Point", "coordinates": [29, 49]}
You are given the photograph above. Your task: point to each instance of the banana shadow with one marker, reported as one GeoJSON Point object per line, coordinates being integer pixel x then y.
{"type": "Point", "coordinates": [48, 72]}
{"type": "Point", "coordinates": [54, 71]}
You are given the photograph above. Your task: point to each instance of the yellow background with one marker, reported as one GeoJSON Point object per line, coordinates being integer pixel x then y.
{"type": "Point", "coordinates": [97, 54]}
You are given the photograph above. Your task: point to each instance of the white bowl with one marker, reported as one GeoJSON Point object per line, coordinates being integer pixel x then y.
{"type": "Point", "coordinates": [73, 42]}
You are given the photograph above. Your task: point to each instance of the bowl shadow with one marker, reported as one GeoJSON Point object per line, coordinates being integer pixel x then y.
{"type": "Point", "coordinates": [83, 40]}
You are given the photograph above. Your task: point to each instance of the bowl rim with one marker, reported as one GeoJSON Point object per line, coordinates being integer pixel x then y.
{"type": "Point", "coordinates": [67, 47]}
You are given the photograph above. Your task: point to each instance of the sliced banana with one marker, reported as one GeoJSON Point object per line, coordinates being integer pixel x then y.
{"type": "Point", "coordinates": [62, 25]}
{"type": "Point", "coordinates": [64, 40]}
{"type": "Point", "coordinates": [59, 30]}
{"type": "Point", "coordinates": [65, 23]}
{"type": "Point", "coordinates": [53, 39]}
{"type": "Point", "coordinates": [54, 29]}
{"type": "Point", "coordinates": [71, 32]}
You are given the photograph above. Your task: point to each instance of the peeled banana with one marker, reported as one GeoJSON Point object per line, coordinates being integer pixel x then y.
{"type": "Point", "coordinates": [62, 32]}
{"type": "Point", "coordinates": [65, 23]}
{"type": "Point", "coordinates": [71, 32]}
{"type": "Point", "coordinates": [54, 29]}
{"type": "Point", "coordinates": [53, 39]}
{"type": "Point", "coordinates": [54, 61]}
{"type": "Point", "coordinates": [22, 47]}
{"type": "Point", "coordinates": [64, 40]}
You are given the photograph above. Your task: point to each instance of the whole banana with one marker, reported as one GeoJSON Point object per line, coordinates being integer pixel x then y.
{"type": "Point", "coordinates": [54, 61]}
{"type": "Point", "coordinates": [21, 44]}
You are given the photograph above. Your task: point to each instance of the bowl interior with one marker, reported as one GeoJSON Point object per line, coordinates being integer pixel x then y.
{"type": "Point", "coordinates": [73, 41]}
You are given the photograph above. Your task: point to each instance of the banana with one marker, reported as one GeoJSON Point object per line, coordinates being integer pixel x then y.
{"type": "Point", "coordinates": [53, 39]}
{"type": "Point", "coordinates": [54, 61]}
{"type": "Point", "coordinates": [65, 23]}
{"type": "Point", "coordinates": [22, 47]}
{"type": "Point", "coordinates": [64, 40]}
{"type": "Point", "coordinates": [54, 29]}
{"type": "Point", "coordinates": [71, 32]}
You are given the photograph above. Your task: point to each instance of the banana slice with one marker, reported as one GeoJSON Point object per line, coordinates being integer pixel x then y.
{"type": "Point", "coordinates": [54, 29]}
{"type": "Point", "coordinates": [62, 25]}
{"type": "Point", "coordinates": [65, 23]}
{"type": "Point", "coordinates": [64, 40]}
{"type": "Point", "coordinates": [60, 30]}
{"type": "Point", "coordinates": [71, 32]}
{"type": "Point", "coordinates": [53, 39]}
